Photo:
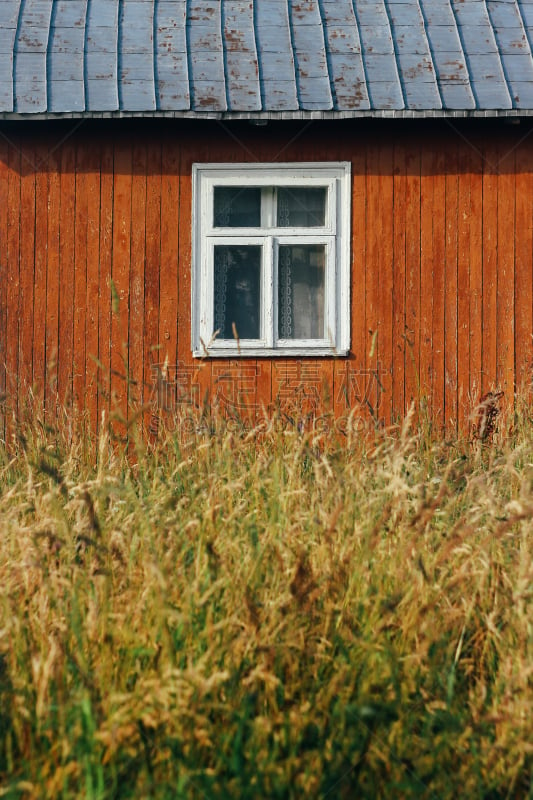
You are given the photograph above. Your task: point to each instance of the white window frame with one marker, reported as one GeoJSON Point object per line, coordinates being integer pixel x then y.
{"type": "Point", "coordinates": [335, 234]}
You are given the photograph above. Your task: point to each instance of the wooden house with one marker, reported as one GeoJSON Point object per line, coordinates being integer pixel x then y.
{"type": "Point", "coordinates": [306, 204]}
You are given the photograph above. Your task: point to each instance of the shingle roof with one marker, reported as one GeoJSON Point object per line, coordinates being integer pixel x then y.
{"type": "Point", "coordinates": [288, 58]}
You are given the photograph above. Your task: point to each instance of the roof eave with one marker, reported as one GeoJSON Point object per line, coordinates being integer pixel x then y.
{"type": "Point", "coordinates": [266, 116]}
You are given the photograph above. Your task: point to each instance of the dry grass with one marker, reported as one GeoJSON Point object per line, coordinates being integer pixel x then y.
{"type": "Point", "coordinates": [267, 614]}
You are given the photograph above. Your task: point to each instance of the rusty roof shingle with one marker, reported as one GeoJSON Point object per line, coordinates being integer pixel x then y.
{"type": "Point", "coordinates": [253, 58]}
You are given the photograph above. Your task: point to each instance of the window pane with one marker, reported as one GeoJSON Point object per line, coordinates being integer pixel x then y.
{"type": "Point", "coordinates": [301, 207]}
{"type": "Point", "coordinates": [237, 291]}
{"type": "Point", "coordinates": [236, 207]}
{"type": "Point", "coordinates": [301, 291]}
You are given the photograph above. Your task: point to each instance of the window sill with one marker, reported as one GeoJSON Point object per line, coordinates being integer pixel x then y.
{"type": "Point", "coordinates": [265, 352]}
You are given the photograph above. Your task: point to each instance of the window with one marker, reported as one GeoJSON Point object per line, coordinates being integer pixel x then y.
{"type": "Point", "coordinates": [271, 268]}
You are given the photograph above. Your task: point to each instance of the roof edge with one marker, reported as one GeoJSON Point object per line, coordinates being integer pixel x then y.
{"type": "Point", "coordinates": [264, 117]}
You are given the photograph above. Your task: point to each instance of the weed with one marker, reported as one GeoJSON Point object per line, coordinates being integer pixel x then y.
{"type": "Point", "coordinates": [266, 613]}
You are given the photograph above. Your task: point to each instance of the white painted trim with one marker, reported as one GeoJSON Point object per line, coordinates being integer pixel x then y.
{"type": "Point", "coordinates": [336, 177]}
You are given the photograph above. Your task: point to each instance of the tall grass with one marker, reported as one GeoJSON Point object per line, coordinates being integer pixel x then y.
{"type": "Point", "coordinates": [267, 614]}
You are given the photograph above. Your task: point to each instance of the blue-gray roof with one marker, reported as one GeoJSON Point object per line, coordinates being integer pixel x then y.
{"type": "Point", "coordinates": [248, 58]}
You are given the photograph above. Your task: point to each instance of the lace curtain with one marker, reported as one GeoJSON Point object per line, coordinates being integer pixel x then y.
{"type": "Point", "coordinates": [301, 291]}
{"type": "Point", "coordinates": [301, 269]}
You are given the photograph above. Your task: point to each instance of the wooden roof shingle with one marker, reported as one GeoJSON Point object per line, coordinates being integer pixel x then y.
{"type": "Point", "coordinates": [253, 58]}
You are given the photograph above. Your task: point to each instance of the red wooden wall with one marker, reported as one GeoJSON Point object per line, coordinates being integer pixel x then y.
{"type": "Point", "coordinates": [95, 254]}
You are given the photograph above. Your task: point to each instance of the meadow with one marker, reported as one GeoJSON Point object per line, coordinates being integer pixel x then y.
{"type": "Point", "coordinates": [267, 613]}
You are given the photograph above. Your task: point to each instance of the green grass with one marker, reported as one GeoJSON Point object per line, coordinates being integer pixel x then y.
{"type": "Point", "coordinates": [267, 614]}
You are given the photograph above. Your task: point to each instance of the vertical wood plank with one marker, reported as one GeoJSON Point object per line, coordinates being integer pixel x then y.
{"type": "Point", "coordinates": [52, 286]}
{"type": "Point", "coordinates": [41, 255]}
{"type": "Point", "coordinates": [427, 270]}
{"type": "Point", "coordinates": [105, 246]}
{"type": "Point", "coordinates": [505, 291]}
{"type": "Point", "coordinates": [138, 257]}
{"type": "Point", "coordinates": [264, 389]}
{"type": "Point", "coordinates": [373, 250]}
{"type": "Point", "coordinates": [464, 217]}
{"type": "Point", "coordinates": [283, 372]}
{"type": "Point", "coordinates": [120, 287]}
{"type": "Point", "coordinates": [66, 273]}
{"type": "Point", "coordinates": [27, 268]}
{"type": "Point", "coordinates": [385, 268]}
{"type": "Point", "coordinates": [80, 279]}
{"type": "Point", "coordinates": [490, 266]}
{"type": "Point", "coordinates": [412, 274]}
{"type": "Point", "coordinates": [438, 289]}
{"type": "Point", "coordinates": [93, 166]}
{"type": "Point", "coordinates": [184, 222]}
{"type": "Point", "coordinates": [450, 307]}
{"type": "Point", "coordinates": [4, 267]}
{"type": "Point", "coordinates": [152, 355]}
{"type": "Point", "coordinates": [263, 395]}
{"type": "Point", "coordinates": [524, 267]}
{"type": "Point", "coordinates": [320, 381]}
{"type": "Point", "coordinates": [168, 297]}
{"type": "Point", "coordinates": [189, 372]}
{"type": "Point", "coordinates": [13, 282]}
{"type": "Point", "coordinates": [399, 275]}
{"type": "Point", "coordinates": [476, 278]}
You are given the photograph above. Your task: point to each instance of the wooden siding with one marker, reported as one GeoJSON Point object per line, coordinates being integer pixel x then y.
{"type": "Point", "coordinates": [95, 256]}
